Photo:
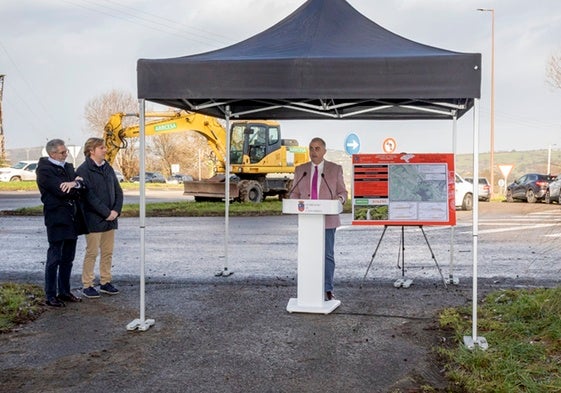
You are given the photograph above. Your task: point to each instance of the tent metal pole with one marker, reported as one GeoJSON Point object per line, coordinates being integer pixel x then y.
{"type": "Point", "coordinates": [474, 340]}
{"type": "Point", "coordinates": [142, 324]}
{"type": "Point", "coordinates": [451, 279]}
{"type": "Point", "coordinates": [225, 272]}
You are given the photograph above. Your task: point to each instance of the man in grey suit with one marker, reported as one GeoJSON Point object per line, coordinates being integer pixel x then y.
{"type": "Point", "coordinates": [322, 179]}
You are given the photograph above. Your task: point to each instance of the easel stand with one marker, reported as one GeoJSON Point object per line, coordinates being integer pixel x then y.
{"type": "Point", "coordinates": [311, 254]}
{"type": "Point", "coordinates": [402, 282]}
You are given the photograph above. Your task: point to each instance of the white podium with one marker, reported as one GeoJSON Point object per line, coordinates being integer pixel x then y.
{"type": "Point", "coordinates": [311, 254]}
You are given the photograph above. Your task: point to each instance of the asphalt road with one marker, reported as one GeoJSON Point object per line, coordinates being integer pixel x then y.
{"type": "Point", "coordinates": [11, 200]}
{"type": "Point", "coordinates": [514, 240]}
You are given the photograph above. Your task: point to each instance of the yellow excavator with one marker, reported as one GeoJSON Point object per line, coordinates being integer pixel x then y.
{"type": "Point", "coordinates": [261, 162]}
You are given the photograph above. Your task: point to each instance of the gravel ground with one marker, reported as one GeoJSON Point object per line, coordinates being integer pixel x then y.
{"type": "Point", "coordinates": [232, 336]}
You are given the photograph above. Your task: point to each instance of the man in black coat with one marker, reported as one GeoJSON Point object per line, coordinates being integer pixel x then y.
{"type": "Point", "coordinates": [103, 204]}
{"type": "Point", "coordinates": [60, 191]}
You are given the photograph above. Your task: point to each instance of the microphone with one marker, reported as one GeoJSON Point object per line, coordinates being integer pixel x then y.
{"type": "Point", "coordinates": [327, 184]}
{"type": "Point", "coordinates": [296, 185]}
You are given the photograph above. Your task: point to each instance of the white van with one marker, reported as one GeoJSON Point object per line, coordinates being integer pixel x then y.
{"type": "Point", "coordinates": [464, 193]}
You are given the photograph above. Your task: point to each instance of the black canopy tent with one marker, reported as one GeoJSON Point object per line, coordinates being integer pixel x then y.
{"type": "Point", "coordinates": [324, 61]}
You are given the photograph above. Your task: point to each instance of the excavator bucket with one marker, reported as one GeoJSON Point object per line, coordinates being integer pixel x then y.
{"type": "Point", "coordinates": [210, 189]}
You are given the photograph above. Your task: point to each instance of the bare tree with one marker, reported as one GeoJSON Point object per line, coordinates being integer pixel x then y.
{"type": "Point", "coordinates": [99, 109]}
{"type": "Point", "coordinates": [127, 159]}
{"type": "Point", "coordinates": [200, 156]}
{"type": "Point", "coordinates": [162, 150]}
{"type": "Point", "coordinates": [97, 113]}
{"type": "Point", "coordinates": [166, 148]}
{"type": "Point", "coordinates": [181, 149]}
{"type": "Point", "coordinates": [553, 70]}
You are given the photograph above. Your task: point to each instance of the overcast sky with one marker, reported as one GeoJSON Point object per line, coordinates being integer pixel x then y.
{"type": "Point", "coordinates": [59, 54]}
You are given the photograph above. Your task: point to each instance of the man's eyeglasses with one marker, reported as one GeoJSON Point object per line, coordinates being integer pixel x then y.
{"type": "Point", "coordinates": [64, 152]}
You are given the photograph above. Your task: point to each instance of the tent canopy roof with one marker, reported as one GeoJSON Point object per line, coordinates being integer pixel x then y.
{"type": "Point", "coordinates": [324, 61]}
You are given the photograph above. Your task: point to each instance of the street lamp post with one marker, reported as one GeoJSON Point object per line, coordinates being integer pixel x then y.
{"type": "Point", "coordinates": [492, 132]}
{"type": "Point", "coordinates": [549, 159]}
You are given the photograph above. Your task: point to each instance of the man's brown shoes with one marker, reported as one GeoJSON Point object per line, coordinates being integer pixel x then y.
{"type": "Point", "coordinates": [69, 297]}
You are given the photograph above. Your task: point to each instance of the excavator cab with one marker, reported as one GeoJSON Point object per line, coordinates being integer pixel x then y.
{"type": "Point", "coordinates": [257, 139]}
{"type": "Point", "coordinates": [252, 142]}
{"type": "Point", "coordinates": [237, 142]}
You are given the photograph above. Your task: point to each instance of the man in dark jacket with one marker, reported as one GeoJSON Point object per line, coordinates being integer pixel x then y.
{"type": "Point", "coordinates": [103, 204]}
{"type": "Point", "coordinates": [60, 190]}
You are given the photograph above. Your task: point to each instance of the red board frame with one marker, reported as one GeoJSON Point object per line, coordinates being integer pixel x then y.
{"type": "Point", "coordinates": [403, 189]}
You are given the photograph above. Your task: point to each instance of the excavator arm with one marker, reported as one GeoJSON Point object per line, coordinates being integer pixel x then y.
{"type": "Point", "coordinates": [116, 134]}
{"type": "Point", "coordinates": [262, 162]}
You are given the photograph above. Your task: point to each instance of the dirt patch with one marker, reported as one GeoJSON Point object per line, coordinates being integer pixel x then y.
{"type": "Point", "coordinates": [234, 337]}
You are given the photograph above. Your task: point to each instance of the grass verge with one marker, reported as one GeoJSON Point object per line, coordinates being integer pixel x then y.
{"type": "Point", "coordinates": [19, 303]}
{"type": "Point", "coordinates": [523, 329]}
{"type": "Point", "coordinates": [269, 207]}
{"type": "Point", "coordinates": [12, 186]}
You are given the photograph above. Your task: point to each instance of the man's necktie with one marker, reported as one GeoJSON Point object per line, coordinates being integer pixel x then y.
{"type": "Point", "coordinates": [315, 183]}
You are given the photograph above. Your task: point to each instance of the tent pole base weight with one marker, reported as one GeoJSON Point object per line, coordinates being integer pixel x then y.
{"type": "Point", "coordinates": [137, 324]}
{"type": "Point", "coordinates": [479, 342]}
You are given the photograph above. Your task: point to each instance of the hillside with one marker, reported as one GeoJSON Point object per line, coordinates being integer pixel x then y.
{"type": "Point", "coordinates": [523, 161]}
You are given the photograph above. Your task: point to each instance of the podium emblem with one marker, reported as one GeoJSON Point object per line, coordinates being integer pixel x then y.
{"type": "Point", "coordinates": [301, 206]}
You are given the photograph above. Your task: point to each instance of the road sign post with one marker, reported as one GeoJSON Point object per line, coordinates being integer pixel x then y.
{"type": "Point", "coordinates": [74, 151]}
{"type": "Point", "coordinates": [505, 170]}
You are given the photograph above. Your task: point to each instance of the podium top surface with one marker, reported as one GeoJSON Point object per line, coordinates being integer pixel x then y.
{"type": "Point", "coordinates": [311, 206]}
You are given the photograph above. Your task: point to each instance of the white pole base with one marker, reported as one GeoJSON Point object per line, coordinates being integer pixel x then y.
{"type": "Point", "coordinates": [453, 280]}
{"type": "Point", "coordinates": [325, 308]}
{"type": "Point", "coordinates": [223, 273]}
{"type": "Point", "coordinates": [480, 342]}
{"type": "Point", "coordinates": [403, 283]}
{"type": "Point", "coordinates": [137, 324]}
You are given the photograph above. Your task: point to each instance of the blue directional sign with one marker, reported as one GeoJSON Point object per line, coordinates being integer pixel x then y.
{"type": "Point", "coordinates": [352, 144]}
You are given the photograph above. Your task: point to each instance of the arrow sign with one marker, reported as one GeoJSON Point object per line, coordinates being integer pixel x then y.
{"type": "Point", "coordinates": [352, 144]}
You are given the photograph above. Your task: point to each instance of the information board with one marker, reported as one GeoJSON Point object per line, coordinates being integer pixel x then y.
{"type": "Point", "coordinates": [403, 189]}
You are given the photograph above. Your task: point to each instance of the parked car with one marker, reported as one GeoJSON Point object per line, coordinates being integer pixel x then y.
{"type": "Point", "coordinates": [150, 177]}
{"type": "Point", "coordinates": [23, 170]}
{"type": "Point", "coordinates": [179, 178]}
{"type": "Point", "coordinates": [119, 175]}
{"type": "Point", "coordinates": [530, 187]}
{"type": "Point", "coordinates": [484, 188]}
{"type": "Point", "coordinates": [464, 193]}
{"type": "Point", "coordinates": [553, 192]}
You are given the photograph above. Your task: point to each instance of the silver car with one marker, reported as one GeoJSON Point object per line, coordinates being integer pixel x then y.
{"type": "Point", "coordinates": [553, 193]}
{"type": "Point", "coordinates": [119, 176]}
{"type": "Point", "coordinates": [484, 188]}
